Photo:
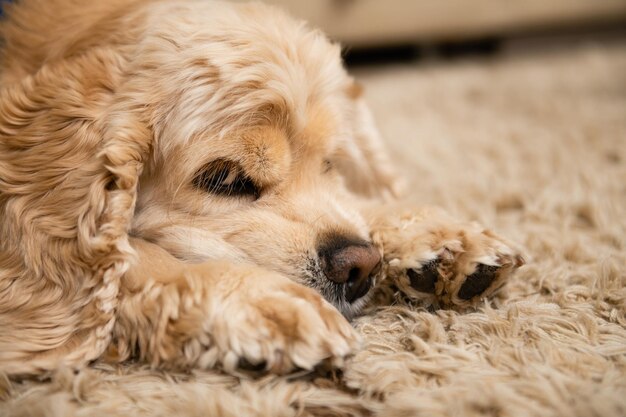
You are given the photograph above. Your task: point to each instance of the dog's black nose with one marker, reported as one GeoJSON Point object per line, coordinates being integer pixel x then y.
{"type": "Point", "coordinates": [351, 262]}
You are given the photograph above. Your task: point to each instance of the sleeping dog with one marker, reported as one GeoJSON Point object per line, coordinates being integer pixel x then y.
{"type": "Point", "coordinates": [193, 183]}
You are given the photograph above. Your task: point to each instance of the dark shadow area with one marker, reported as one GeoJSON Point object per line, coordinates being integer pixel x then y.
{"type": "Point", "coordinates": [484, 47]}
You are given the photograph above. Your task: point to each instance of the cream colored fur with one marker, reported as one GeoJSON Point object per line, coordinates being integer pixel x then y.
{"type": "Point", "coordinates": [113, 248]}
{"type": "Point", "coordinates": [531, 144]}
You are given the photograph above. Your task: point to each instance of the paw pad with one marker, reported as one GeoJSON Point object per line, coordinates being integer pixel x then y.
{"type": "Point", "coordinates": [478, 282]}
{"type": "Point", "coordinates": [424, 279]}
{"type": "Point", "coordinates": [444, 281]}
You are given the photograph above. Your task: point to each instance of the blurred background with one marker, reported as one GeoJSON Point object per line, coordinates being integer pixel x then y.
{"type": "Point", "coordinates": [508, 112]}
{"type": "Point", "coordinates": [373, 30]}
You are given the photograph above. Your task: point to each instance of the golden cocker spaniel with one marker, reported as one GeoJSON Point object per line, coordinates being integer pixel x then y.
{"type": "Point", "coordinates": [193, 183]}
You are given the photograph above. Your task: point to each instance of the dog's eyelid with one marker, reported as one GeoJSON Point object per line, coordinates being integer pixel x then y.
{"type": "Point", "coordinates": [226, 178]}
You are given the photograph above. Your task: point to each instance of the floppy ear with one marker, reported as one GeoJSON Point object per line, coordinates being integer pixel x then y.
{"type": "Point", "coordinates": [68, 175]}
{"type": "Point", "coordinates": [363, 160]}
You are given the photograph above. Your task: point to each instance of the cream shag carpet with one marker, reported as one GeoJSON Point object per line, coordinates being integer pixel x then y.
{"type": "Point", "coordinates": [532, 144]}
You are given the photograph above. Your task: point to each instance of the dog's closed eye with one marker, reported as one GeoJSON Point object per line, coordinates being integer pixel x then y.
{"type": "Point", "coordinates": [226, 178]}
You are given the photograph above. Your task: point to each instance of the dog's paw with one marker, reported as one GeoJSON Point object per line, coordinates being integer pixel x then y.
{"type": "Point", "coordinates": [449, 263]}
{"type": "Point", "coordinates": [278, 326]}
{"type": "Point", "coordinates": [462, 271]}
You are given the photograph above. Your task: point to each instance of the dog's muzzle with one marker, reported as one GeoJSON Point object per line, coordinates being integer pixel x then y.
{"type": "Point", "coordinates": [352, 263]}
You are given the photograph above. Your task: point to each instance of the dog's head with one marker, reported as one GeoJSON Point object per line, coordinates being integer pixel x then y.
{"type": "Point", "coordinates": [216, 131]}
{"type": "Point", "coordinates": [261, 149]}
{"type": "Point", "coordinates": [252, 145]}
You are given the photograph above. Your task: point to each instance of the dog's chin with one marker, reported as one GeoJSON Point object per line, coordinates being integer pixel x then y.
{"type": "Point", "coordinates": [353, 309]}
{"type": "Point", "coordinates": [335, 295]}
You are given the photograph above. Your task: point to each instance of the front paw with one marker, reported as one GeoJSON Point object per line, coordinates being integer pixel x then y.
{"type": "Point", "coordinates": [448, 263]}
{"type": "Point", "coordinates": [275, 324]}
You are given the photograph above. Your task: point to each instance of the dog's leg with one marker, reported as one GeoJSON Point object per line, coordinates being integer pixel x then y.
{"type": "Point", "coordinates": [182, 315]}
{"type": "Point", "coordinates": [435, 258]}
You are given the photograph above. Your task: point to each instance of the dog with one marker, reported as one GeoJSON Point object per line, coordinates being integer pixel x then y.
{"type": "Point", "coordinates": [197, 184]}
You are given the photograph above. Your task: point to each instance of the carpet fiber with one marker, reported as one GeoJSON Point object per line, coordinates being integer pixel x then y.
{"type": "Point", "coordinates": [532, 144]}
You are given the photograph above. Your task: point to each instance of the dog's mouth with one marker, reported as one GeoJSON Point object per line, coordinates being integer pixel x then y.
{"type": "Point", "coordinates": [356, 289]}
{"type": "Point", "coordinates": [354, 307]}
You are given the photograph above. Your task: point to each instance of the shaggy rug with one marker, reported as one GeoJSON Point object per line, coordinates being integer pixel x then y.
{"type": "Point", "coordinates": [532, 144]}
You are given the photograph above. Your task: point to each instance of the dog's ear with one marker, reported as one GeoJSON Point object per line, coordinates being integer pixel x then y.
{"type": "Point", "coordinates": [363, 159]}
{"type": "Point", "coordinates": [69, 169]}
